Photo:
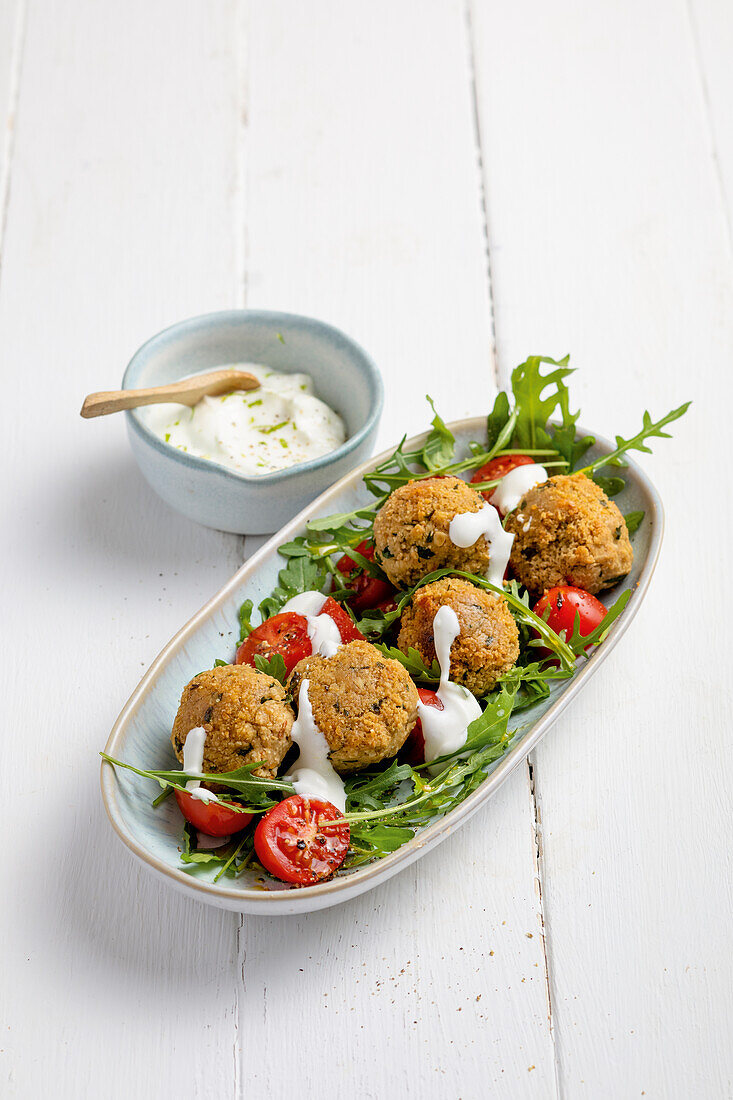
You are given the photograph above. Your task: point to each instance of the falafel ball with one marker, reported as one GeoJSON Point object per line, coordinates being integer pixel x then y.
{"type": "Point", "coordinates": [411, 530]}
{"type": "Point", "coordinates": [244, 714]}
{"type": "Point", "coordinates": [567, 531]}
{"type": "Point", "coordinates": [488, 644]}
{"type": "Point", "coordinates": [364, 703]}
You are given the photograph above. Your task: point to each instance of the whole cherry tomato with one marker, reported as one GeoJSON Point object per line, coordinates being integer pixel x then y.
{"type": "Point", "coordinates": [413, 750]}
{"type": "Point", "coordinates": [565, 602]}
{"type": "Point", "coordinates": [368, 591]}
{"type": "Point", "coordinates": [295, 842]}
{"type": "Point", "coordinates": [212, 818]}
{"type": "Point", "coordinates": [497, 468]}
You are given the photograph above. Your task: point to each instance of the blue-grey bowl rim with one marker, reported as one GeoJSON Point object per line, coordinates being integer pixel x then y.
{"type": "Point", "coordinates": [223, 316]}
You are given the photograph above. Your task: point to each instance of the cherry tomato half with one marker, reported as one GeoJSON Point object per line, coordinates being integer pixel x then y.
{"type": "Point", "coordinates": [565, 602]}
{"type": "Point", "coordinates": [346, 626]}
{"type": "Point", "coordinates": [212, 818]}
{"type": "Point", "coordinates": [295, 843]}
{"type": "Point", "coordinates": [286, 633]}
{"type": "Point", "coordinates": [413, 750]}
{"type": "Point", "coordinates": [368, 591]}
{"type": "Point", "coordinates": [498, 468]}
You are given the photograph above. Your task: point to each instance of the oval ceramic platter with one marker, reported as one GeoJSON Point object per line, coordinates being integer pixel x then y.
{"type": "Point", "coordinates": [141, 735]}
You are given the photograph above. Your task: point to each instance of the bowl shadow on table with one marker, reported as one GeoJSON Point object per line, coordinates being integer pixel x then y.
{"type": "Point", "coordinates": [112, 518]}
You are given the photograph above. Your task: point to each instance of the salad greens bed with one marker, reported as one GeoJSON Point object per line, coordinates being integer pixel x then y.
{"type": "Point", "coordinates": [388, 803]}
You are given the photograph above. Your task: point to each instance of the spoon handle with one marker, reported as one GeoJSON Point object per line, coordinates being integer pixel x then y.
{"type": "Point", "coordinates": [187, 392]}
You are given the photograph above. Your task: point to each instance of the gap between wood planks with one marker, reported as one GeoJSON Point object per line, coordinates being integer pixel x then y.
{"type": "Point", "coordinates": [534, 808]}
{"type": "Point", "coordinates": [16, 64]}
{"type": "Point", "coordinates": [709, 121]}
{"type": "Point", "coordinates": [250, 544]}
{"type": "Point", "coordinates": [471, 54]}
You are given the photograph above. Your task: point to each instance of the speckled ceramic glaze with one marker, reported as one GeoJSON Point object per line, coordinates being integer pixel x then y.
{"type": "Point", "coordinates": [141, 733]}
{"type": "Point", "coordinates": [344, 377]}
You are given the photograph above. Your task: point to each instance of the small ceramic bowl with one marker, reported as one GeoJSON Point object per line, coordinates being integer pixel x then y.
{"type": "Point", "coordinates": [344, 377]}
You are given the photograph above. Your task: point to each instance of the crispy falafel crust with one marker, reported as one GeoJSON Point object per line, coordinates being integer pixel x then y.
{"type": "Point", "coordinates": [411, 530]}
{"type": "Point", "coordinates": [245, 715]}
{"type": "Point", "coordinates": [364, 703]}
{"type": "Point", "coordinates": [567, 531]}
{"type": "Point", "coordinates": [488, 644]}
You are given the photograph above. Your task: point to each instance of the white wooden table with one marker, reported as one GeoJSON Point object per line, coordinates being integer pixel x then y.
{"type": "Point", "coordinates": [457, 186]}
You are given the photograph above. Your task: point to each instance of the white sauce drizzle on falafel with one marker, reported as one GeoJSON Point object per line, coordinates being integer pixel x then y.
{"type": "Point", "coordinates": [467, 528]}
{"type": "Point", "coordinates": [313, 774]}
{"type": "Point", "coordinates": [322, 630]}
{"type": "Point", "coordinates": [193, 762]}
{"type": "Point", "coordinates": [445, 730]}
{"type": "Point", "coordinates": [515, 484]}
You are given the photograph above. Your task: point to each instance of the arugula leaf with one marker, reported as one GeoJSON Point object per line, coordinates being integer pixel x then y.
{"type": "Point", "coordinates": [241, 780]}
{"type": "Point", "coordinates": [440, 445]}
{"type": "Point", "coordinates": [579, 643]}
{"type": "Point", "coordinates": [497, 420]}
{"type": "Point", "coordinates": [637, 442]}
{"type": "Point", "coordinates": [533, 410]}
{"type": "Point", "coordinates": [564, 435]}
{"type": "Point", "coordinates": [633, 521]}
{"type": "Point", "coordinates": [611, 486]}
{"type": "Point", "coordinates": [370, 842]}
{"type": "Point", "coordinates": [245, 621]}
{"type": "Point", "coordinates": [413, 662]}
{"type": "Point", "coordinates": [274, 666]}
{"type": "Point", "coordinates": [299, 575]}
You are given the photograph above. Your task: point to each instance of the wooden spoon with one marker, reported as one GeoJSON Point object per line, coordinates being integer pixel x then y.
{"type": "Point", "coordinates": [186, 392]}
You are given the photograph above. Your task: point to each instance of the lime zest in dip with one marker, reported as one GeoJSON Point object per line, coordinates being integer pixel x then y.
{"type": "Point", "coordinates": [254, 432]}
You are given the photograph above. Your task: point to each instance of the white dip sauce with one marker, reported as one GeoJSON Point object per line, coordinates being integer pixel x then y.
{"type": "Point", "coordinates": [253, 431]}
{"type": "Point", "coordinates": [313, 775]}
{"type": "Point", "coordinates": [445, 730]}
{"type": "Point", "coordinates": [193, 762]}
{"type": "Point", "coordinates": [467, 527]}
{"type": "Point", "coordinates": [322, 630]}
{"type": "Point", "coordinates": [515, 484]}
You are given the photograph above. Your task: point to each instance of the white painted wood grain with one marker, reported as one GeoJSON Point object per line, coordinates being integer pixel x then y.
{"type": "Point", "coordinates": [363, 199]}
{"type": "Point", "coordinates": [609, 240]}
{"type": "Point", "coordinates": [120, 221]}
{"type": "Point", "coordinates": [12, 26]}
{"type": "Point", "coordinates": [712, 40]}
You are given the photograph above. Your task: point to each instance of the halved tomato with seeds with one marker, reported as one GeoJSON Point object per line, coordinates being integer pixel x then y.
{"type": "Point", "coordinates": [286, 634]}
{"type": "Point", "coordinates": [295, 842]}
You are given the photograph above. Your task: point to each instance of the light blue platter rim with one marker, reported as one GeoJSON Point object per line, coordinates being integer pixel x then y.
{"type": "Point", "coordinates": [287, 901]}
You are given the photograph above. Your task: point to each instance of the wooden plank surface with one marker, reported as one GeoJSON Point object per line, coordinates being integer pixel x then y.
{"type": "Point", "coordinates": [12, 26]}
{"type": "Point", "coordinates": [609, 241]}
{"type": "Point", "coordinates": [364, 207]}
{"type": "Point", "coordinates": [120, 221]}
{"type": "Point", "coordinates": [170, 158]}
